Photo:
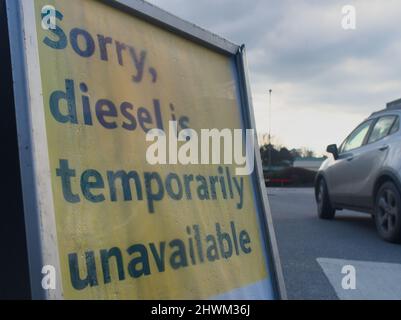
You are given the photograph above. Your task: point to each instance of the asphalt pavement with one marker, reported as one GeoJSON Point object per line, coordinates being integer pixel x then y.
{"type": "Point", "coordinates": [313, 252]}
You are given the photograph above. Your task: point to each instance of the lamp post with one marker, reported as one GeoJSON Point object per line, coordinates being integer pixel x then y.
{"type": "Point", "coordinates": [269, 160]}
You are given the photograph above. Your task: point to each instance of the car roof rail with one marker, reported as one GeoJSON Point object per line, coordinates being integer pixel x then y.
{"type": "Point", "coordinates": [378, 112]}
{"type": "Point", "coordinates": [394, 105]}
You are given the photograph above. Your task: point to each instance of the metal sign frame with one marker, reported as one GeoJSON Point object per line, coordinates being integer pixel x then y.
{"type": "Point", "coordinates": [32, 140]}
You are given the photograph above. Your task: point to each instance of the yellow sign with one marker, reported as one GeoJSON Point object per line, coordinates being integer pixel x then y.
{"type": "Point", "coordinates": [127, 229]}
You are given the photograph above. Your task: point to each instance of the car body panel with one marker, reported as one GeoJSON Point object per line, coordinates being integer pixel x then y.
{"type": "Point", "coordinates": [352, 178]}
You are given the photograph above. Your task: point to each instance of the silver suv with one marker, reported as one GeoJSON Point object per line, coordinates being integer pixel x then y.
{"type": "Point", "coordinates": [364, 173]}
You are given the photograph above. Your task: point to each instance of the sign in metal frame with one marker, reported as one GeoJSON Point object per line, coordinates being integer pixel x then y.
{"type": "Point", "coordinates": [34, 160]}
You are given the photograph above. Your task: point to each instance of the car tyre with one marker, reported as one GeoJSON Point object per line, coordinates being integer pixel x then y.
{"type": "Point", "coordinates": [388, 212]}
{"type": "Point", "coordinates": [324, 207]}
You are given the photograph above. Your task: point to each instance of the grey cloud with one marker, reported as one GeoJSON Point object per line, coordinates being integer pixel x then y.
{"type": "Point", "coordinates": [300, 48]}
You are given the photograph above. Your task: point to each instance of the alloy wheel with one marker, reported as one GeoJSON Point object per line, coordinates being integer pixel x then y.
{"type": "Point", "coordinates": [387, 210]}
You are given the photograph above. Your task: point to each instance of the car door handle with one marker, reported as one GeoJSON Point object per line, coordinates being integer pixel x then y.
{"type": "Point", "coordinates": [383, 148]}
{"type": "Point", "coordinates": [350, 158]}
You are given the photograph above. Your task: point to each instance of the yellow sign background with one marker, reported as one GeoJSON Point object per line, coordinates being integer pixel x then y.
{"type": "Point", "coordinates": [201, 85]}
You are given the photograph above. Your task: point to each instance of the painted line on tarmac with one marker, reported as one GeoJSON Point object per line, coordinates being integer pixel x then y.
{"type": "Point", "coordinates": [373, 280]}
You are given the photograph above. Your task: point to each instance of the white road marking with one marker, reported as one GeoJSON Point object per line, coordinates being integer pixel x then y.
{"type": "Point", "coordinates": [374, 280]}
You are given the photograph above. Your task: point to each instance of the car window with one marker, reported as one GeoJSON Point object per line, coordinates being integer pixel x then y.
{"type": "Point", "coordinates": [357, 137]}
{"type": "Point", "coordinates": [396, 126]}
{"type": "Point", "coordinates": [381, 128]}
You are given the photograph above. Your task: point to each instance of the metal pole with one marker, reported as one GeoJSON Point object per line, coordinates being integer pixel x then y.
{"type": "Point", "coordinates": [269, 163]}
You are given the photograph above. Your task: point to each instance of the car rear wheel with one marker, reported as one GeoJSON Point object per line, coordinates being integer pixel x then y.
{"type": "Point", "coordinates": [388, 212]}
{"type": "Point", "coordinates": [324, 207]}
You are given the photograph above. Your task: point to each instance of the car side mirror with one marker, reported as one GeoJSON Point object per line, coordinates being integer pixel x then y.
{"type": "Point", "coordinates": [333, 150]}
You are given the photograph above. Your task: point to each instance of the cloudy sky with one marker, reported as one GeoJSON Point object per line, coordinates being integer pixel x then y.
{"type": "Point", "coordinates": [325, 79]}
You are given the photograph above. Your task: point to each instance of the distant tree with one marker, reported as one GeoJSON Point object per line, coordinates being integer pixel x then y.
{"type": "Point", "coordinates": [304, 153]}
{"type": "Point", "coordinates": [295, 153]}
{"type": "Point", "coordinates": [281, 155]}
{"type": "Point", "coordinates": [278, 156]}
{"type": "Point", "coordinates": [285, 155]}
{"type": "Point", "coordinates": [309, 154]}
